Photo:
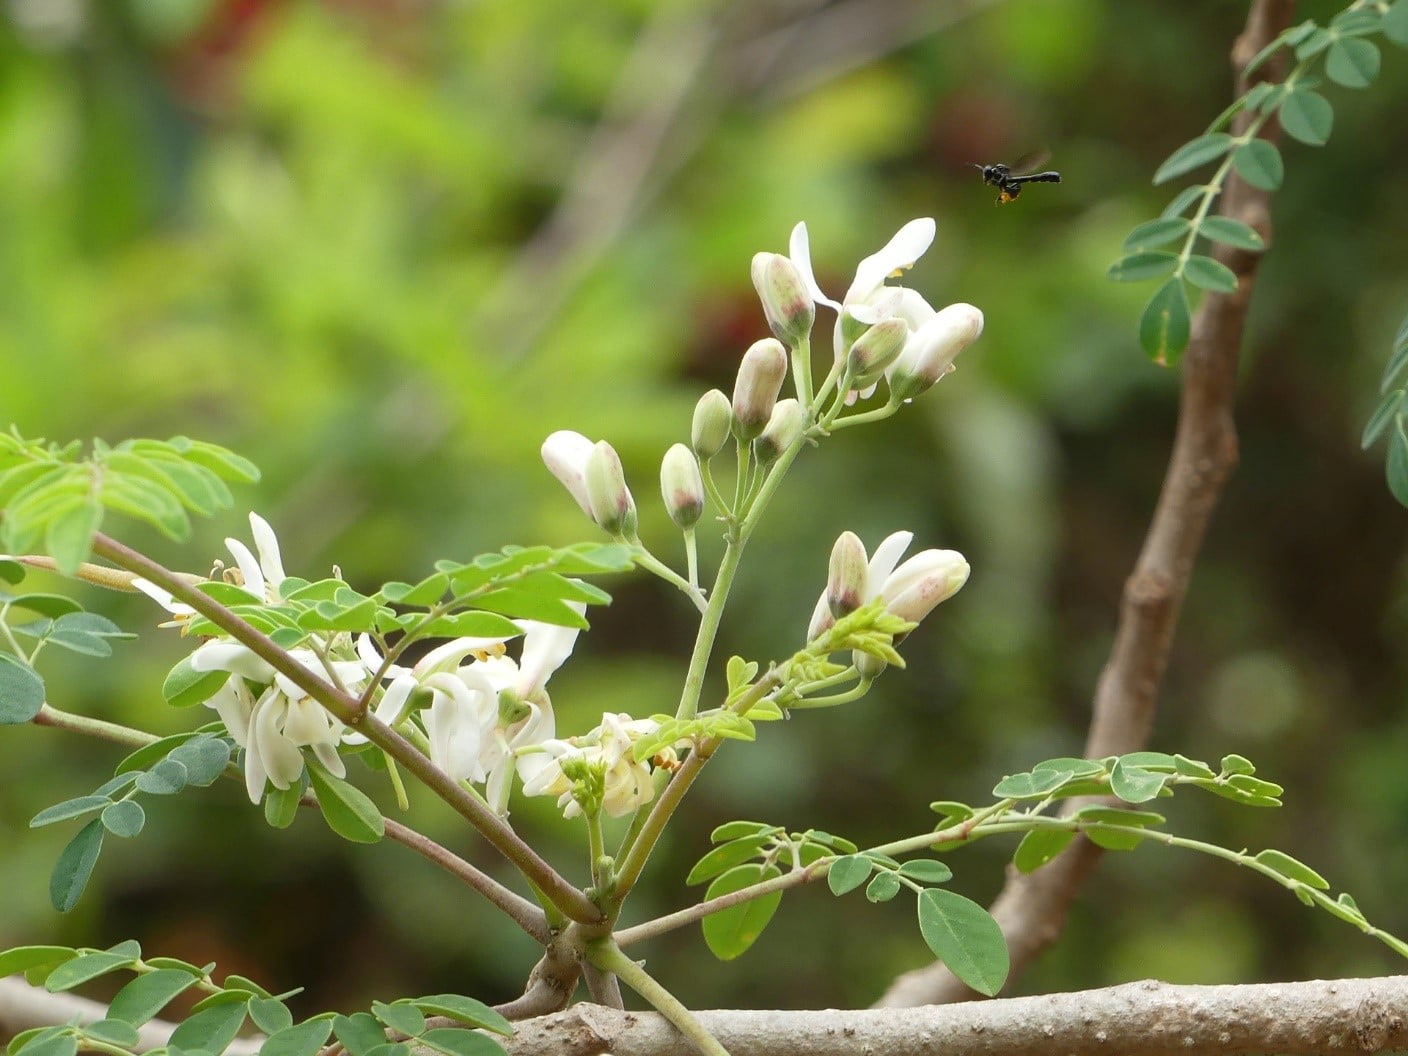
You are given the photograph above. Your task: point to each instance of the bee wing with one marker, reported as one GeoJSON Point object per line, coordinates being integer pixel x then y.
{"type": "Point", "coordinates": [1031, 161]}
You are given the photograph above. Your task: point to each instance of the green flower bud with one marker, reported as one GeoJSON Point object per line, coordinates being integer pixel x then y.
{"type": "Point", "coordinates": [681, 486]}
{"type": "Point", "coordinates": [786, 300]}
{"type": "Point", "coordinates": [875, 350]}
{"type": "Point", "coordinates": [867, 665]}
{"type": "Point", "coordinates": [848, 575]}
{"type": "Point", "coordinates": [713, 418]}
{"type": "Point", "coordinates": [613, 508]}
{"type": "Point", "coordinates": [759, 381]}
{"type": "Point", "coordinates": [788, 420]}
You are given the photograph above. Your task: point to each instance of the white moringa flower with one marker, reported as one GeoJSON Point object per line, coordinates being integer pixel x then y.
{"type": "Point", "coordinates": [259, 576]}
{"type": "Point", "coordinates": [910, 591]}
{"type": "Point", "coordinates": [608, 751]}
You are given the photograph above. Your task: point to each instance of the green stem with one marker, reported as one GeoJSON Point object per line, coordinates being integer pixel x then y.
{"type": "Point", "coordinates": [652, 564]}
{"type": "Point", "coordinates": [691, 558]}
{"type": "Point", "coordinates": [802, 369]}
{"type": "Point", "coordinates": [859, 690]}
{"type": "Point", "coordinates": [107, 731]}
{"type": "Point", "coordinates": [712, 490]}
{"type": "Point", "coordinates": [495, 829]}
{"type": "Point", "coordinates": [875, 414]}
{"type": "Point", "coordinates": [607, 956]}
{"type": "Point", "coordinates": [744, 454]}
{"type": "Point", "coordinates": [596, 847]}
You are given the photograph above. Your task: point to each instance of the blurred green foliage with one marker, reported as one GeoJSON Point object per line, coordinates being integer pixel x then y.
{"type": "Point", "coordinates": [383, 247]}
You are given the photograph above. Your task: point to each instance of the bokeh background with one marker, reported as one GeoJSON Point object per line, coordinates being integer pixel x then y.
{"type": "Point", "coordinates": [383, 247]}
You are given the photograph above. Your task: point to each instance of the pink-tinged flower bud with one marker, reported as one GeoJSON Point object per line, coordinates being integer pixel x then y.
{"type": "Point", "coordinates": [786, 300]}
{"type": "Point", "coordinates": [931, 350]}
{"type": "Point", "coordinates": [875, 350]}
{"type": "Point", "coordinates": [759, 381]}
{"type": "Point", "coordinates": [565, 453]}
{"type": "Point", "coordinates": [612, 506]}
{"type": "Point", "coordinates": [713, 418]}
{"type": "Point", "coordinates": [681, 486]}
{"type": "Point", "coordinates": [847, 577]}
{"type": "Point", "coordinates": [788, 420]}
{"type": "Point", "coordinates": [912, 590]}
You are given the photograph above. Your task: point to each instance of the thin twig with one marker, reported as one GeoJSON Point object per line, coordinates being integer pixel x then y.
{"type": "Point", "coordinates": [1032, 908]}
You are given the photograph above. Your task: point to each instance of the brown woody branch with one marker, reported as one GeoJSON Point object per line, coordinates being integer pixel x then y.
{"type": "Point", "coordinates": [1032, 909]}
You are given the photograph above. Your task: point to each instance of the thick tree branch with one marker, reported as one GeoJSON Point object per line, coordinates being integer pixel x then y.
{"type": "Point", "coordinates": [1032, 908]}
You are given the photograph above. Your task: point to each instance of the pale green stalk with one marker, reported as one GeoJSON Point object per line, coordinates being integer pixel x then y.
{"type": "Point", "coordinates": [607, 956]}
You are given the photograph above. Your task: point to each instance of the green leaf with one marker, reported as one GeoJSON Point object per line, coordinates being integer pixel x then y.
{"type": "Point", "coordinates": [1259, 163]}
{"type": "Point", "coordinates": [471, 624]}
{"type": "Point", "coordinates": [69, 535]}
{"type": "Point", "coordinates": [1157, 233]}
{"type": "Point", "coordinates": [359, 1033]}
{"type": "Point", "coordinates": [1192, 767]}
{"type": "Point", "coordinates": [1040, 846]}
{"type": "Point", "coordinates": [848, 873]}
{"type": "Point", "coordinates": [401, 1015]}
{"type": "Point", "coordinates": [1397, 361]}
{"type": "Point", "coordinates": [241, 982]}
{"type": "Point", "coordinates": [1313, 42]}
{"type": "Point", "coordinates": [926, 871]}
{"type": "Point", "coordinates": [729, 932]}
{"type": "Point", "coordinates": [1164, 326]}
{"type": "Point", "coordinates": [1134, 784]}
{"type": "Point", "coordinates": [962, 935]}
{"type": "Point", "coordinates": [52, 1045]}
{"type": "Point", "coordinates": [1231, 232]}
{"type": "Point", "coordinates": [114, 1032]}
{"type": "Point", "coordinates": [211, 1029]}
{"type": "Point", "coordinates": [204, 758]}
{"type": "Point", "coordinates": [950, 811]}
{"type": "Point", "coordinates": [302, 1039]}
{"type": "Point", "coordinates": [1191, 155]}
{"type": "Point", "coordinates": [11, 572]}
{"type": "Point", "coordinates": [1388, 407]}
{"type": "Point", "coordinates": [1034, 785]}
{"type": "Point", "coordinates": [148, 994]}
{"type": "Point", "coordinates": [1072, 765]}
{"type": "Point", "coordinates": [1355, 23]}
{"type": "Point", "coordinates": [281, 805]}
{"type": "Point", "coordinates": [1148, 264]}
{"type": "Point", "coordinates": [270, 1015]}
{"type": "Point", "coordinates": [1308, 117]}
{"type": "Point", "coordinates": [69, 808]}
{"type": "Point", "coordinates": [1396, 468]}
{"type": "Point", "coordinates": [1209, 274]}
{"type": "Point", "coordinates": [1237, 764]}
{"type": "Point", "coordinates": [1183, 199]}
{"type": "Point", "coordinates": [465, 1010]}
{"type": "Point", "coordinates": [74, 867]}
{"type": "Point", "coordinates": [1352, 62]}
{"type": "Point", "coordinates": [21, 691]}
{"type": "Point", "coordinates": [883, 887]}
{"type": "Point", "coordinates": [346, 808]}
{"type": "Point", "coordinates": [149, 754]}
{"type": "Point", "coordinates": [166, 778]}
{"type": "Point", "coordinates": [124, 819]}
{"type": "Point", "coordinates": [1292, 869]}
{"type": "Point", "coordinates": [185, 685]}
{"type": "Point", "coordinates": [23, 958]}
{"type": "Point", "coordinates": [724, 857]}
{"type": "Point", "coordinates": [85, 968]}
{"type": "Point", "coordinates": [456, 1042]}
{"type": "Point", "coordinates": [1254, 786]}
{"type": "Point", "coordinates": [1395, 23]}
{"type": "Point", "coordinates": [51, 605]}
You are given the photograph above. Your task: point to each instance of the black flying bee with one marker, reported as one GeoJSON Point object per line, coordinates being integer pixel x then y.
{"type": "Point", "coordinates": [1008, 184]}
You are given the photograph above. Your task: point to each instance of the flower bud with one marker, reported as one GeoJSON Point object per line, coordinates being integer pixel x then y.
{"type": "Point", "coordinates": [847, 576]}
{"type": "Point", "coordinates": [867, 664]}
{"type": "Point", "coordinates": [612, 506]}
{"type": "Point", "coordinates": [681, 486]}
{"type": "Point", "coordinates": [713, 418]}
{"type": "Point", "coordinates": [822, 620]}
{"type": "Point", "coordinates": [927, 578]}
{"type": "Point", "coordinates": [566, 453]}
{"type": "Point", "coordinates": [786, 300]}
{"type": "Point", "coordinates": [931, 350]}
{"type": "Point", "coordinates": [875, 350]}
{"type": "Point", "coordinates": [759, 380]}
{"type": "Point", "coordinates": [788, 420]}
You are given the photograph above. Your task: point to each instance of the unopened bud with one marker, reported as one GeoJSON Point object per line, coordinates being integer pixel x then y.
{"type": "Point", "coordinates": [759, 381]}
{"type": "Point", "coordinates": [931, 350]}
{"type": "Point", "coordinates": [927, 578]}
{"type": "Point", "coordinates": [681, 486]}
{"type": "Point", "coordinates": [612, 506]}
{"type": "Point", "coordinates": [713, 418]}
{"type": "Point", "coordinates": [875, 350]}
{"type": "Point", "coordinates": [788, 420]}
{"type": "Point", "coordinates": [786, 300]}
{"type": "Point", "coordinates": [847, 576]}
{"type": "Point", "coordinates": [868, 665]}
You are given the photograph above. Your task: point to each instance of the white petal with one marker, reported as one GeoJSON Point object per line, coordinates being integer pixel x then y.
{"type": "Point", "coordinates": [250, 571]}
{"type": "Point", "coordinates": [924, 581]}
{"type": "Point", "coordinates": [366, 649]}
{"type": "Point", "coordinates": [799, 249]}
{"type": "Point", "coordinates": [907, 246]}
{"type": "Point", "coordinates": [235, 707]}
{"type": "Point", "coordinates": [306, 723]}
{"type": "Point", "coordinates": [392, 707]}
{"type": "Point", "coordinates": [822, 619]}
{"type": "Point", "coordinates": [445, 657]}
{"type": "Point", "coordinates": [278, 756]}
{"type": "Point", "coordinates": [332, 762]}
{"type": "Point", "coordinates": [162, 597]}
{"type": "Point", "coordinates": [232, 657]}
{"type": "Point", "coordinates": [887, 555]}
{"type": "Point", "coordinates": [565, 453]}
{"type": "Point", "coordinates": [267, 543]}
{"type": "Point", "coordinates": [545, 648]}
